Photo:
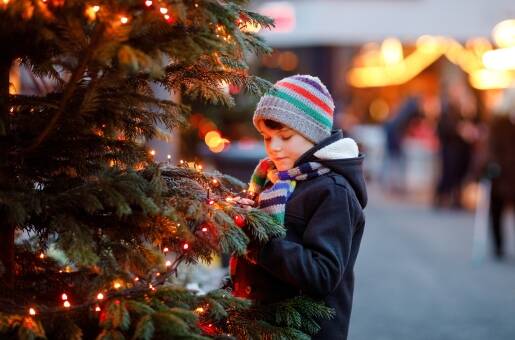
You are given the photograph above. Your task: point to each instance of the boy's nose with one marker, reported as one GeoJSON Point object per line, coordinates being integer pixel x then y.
{"type": "Point", "coordinates": [275, 144]}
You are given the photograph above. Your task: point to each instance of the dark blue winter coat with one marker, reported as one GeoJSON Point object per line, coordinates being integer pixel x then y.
{"type": "Point", "coordinates": [324, 221]}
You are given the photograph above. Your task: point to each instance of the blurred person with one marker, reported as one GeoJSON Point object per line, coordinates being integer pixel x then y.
{"type": "Point", "coordinates": [502, 165]}
{"type": "Point", "coordinates": [396, 128]}
{"type": "Point", "coordinates": [457, 133]}
{"type": "Point", "coordinates": [312, 183]}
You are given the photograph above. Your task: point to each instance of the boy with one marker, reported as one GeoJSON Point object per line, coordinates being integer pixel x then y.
{"type": "Point", "coordinates": [312, 182]}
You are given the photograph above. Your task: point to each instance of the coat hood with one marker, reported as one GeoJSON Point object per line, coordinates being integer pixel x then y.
{"type": "Point", "coordinates": [341, 155]}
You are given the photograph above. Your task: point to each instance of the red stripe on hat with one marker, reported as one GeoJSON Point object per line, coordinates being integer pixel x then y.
{"type": "Point", "coordinates": [314, 99]}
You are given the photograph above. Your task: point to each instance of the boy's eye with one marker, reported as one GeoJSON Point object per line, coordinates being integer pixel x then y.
{"type": "Point", "coordinates": [286, 137]}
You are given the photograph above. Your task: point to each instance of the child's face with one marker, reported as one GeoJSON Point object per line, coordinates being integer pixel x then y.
{"type": "Point", "coordinates": [283, 146]}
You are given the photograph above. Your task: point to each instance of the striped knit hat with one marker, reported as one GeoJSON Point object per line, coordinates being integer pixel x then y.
{"type": "Point", "coordinates": [300, 102]}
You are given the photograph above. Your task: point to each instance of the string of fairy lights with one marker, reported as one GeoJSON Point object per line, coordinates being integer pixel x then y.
{"type": "Point", "coordinates": [94, 11]}
{"type": "Point", "coordinates": [119, 287]}
{"type": "Point", "coordinates": [139, 286]}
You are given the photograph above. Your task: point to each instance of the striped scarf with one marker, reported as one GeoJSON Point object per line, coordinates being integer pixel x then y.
{"type": "Point", "coordinates": [273, 200]}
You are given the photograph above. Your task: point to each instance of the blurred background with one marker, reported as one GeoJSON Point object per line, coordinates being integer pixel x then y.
{"type": "Point", "coordinates": [427, 89]}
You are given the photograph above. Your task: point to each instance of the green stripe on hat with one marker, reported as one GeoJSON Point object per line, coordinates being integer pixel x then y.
{"type": "Point", "coordinates": [317, 116]}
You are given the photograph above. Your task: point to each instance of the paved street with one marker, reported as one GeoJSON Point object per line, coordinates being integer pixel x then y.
{"type": "Point", "coordinates": [415, 278]}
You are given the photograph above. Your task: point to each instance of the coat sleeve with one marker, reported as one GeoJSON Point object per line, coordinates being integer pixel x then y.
{"type": "Point", "coordinates": [316, 265]}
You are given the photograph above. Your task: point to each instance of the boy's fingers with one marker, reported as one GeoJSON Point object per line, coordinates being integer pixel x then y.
{"type": "Point", "coordinates": [244, 201]}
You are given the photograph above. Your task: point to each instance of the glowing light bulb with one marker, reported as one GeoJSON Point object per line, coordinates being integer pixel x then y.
{"type": "Point", "coordinates": [32, 311]}
{"type": "Point", "coordinates": [168, 263]}
{"type": "Point", "coordinates": [41, 256]}
{"type": "Point", "coordinates": [169, 156]}
{"type": "Point", "coordinates": [64, 297]}
{"type": "Point", "coordinates": [153, 152]}
{"type": "Point", "coordinates": [97, 309]}
{"type": "Point", "coordinates": [96, 8]}
{"type": "Point", "coordinates": [229, 199]}
{"type": "Point", "coordinates": [215, 181]}
{"type": "Point", "coordinates": [124, 20]}
{"type": "Point", "coordinates": [117, 285]}
{"type": "Point", "coordinates": [211, 202]}
{"type": "Point", "coordinates": [67, 304]}
{"type": "Point", "coordinates": [165, 250]}
{"type": "Point", "coordinates": [100, 296]}
{"type": "Point", "coordinates": [163, 10]}
{"type": "Point", "coordinates": [185, 246]}
{"type": "Point", "coordinates": [199, 310]}
{"type": "Point", "coordinates": [136, 279]}
{"type": "Point", "coordinates": [148, 3]}
{"type": "Point", "coordinates": [204, 229]}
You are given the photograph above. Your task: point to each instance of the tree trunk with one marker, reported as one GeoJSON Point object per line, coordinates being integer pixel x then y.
{"type": "Point", "coordinates": [6, 229]}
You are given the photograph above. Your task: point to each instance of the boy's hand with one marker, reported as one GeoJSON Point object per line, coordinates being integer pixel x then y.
{"type": "Point", "coordinates": [246, 203]}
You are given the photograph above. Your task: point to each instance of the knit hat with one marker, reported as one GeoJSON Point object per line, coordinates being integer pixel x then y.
{"type": "Point", "coordinates": [300, 102]}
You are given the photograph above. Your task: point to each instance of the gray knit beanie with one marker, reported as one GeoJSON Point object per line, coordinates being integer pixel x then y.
{"type": "Point", "coordinates": [300, 102]}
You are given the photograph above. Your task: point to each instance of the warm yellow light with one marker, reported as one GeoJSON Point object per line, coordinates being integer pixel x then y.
{"type": "Point", "coordinates": [100, 296]}
{"type": "Point", "coordinates": [152, 152]}
{"type": "Point", "coordinates": [504, 33]}
{"type": "Point", "coordinates": [163, 10]}
{"type": "Point", "coordinates": [97, 309]}
{"type": "Point", "coordinates": [91, 12]}
{"type": "Point", "coordinates": [148, 3]}
{"type": "Point", "coordinates": [500, 59]}
{"type": "Point", "coordinates": [124, 20]}
{"type": "Point", "coordinates": [117, 285]}
{"type": "Point", "coordinates": [212, 139]}
{"type": "Point", "coordinates": [168, 263]}
{"type": "Point", "coordinates": [391, 51]}
{"type": "Point", "coordinates": [64, 297]}
{"type": "Point", "coordinates": [288, 61]}
{"type": "Point", "coordinates": [32, 311]}
{"type": "Point", "coordinates": [389, 67]}
{"type": "Point", "coordinates": [199, 310]}
{"type": "Point", "coordinates": [379, 109]}
{"type": "Point", "coordinates": [165, 249]}
{"type": "Point", "coordinates": [251, 27]}
{"type": "Point", "coordinates": [479, 46]}
{"type": "Point", "coordinates": [487, 79]}
{"type": "Point", "coordinates": [41, 256]}
{"type": "Point", "coordinates": [66, 304]}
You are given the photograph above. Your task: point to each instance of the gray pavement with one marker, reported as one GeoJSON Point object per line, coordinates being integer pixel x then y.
{"type": "Point", "coordinates": [415, 278]}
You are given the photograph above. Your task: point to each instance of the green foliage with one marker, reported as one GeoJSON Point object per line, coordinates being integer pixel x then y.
{"type": "Point", "coordinates": [116, 316]}
{"type": "Point", "coordinates": [144, 329]}
{"type": "Point", "coordinates": [76, 177]}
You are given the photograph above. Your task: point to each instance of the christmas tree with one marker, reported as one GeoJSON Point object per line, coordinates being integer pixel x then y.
{"type": "Point", "coordinates": [92, 230]}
